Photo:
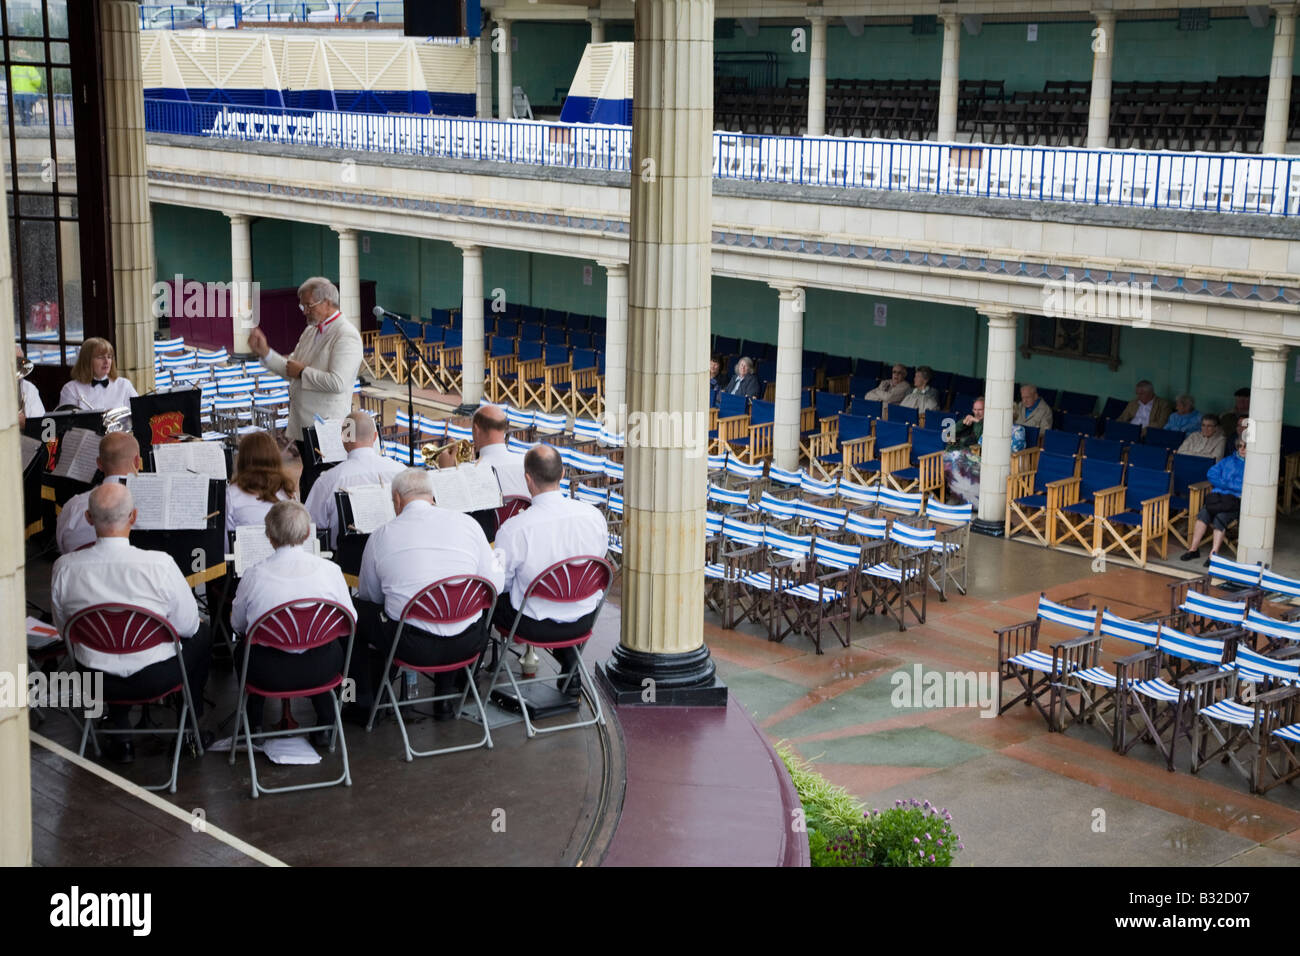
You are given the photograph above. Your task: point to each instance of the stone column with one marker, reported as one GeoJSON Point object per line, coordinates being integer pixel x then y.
{"type": "Point", "coordinates": [1103, 47]}
{"type": "Point", "coordinates": [615, 344]}
{"type": "Point", "coordinates": [349, 276]}
{"type": "Point", "coordinates": [1258, 520]}
{"type": "Point", "coordinates": [505, 76]}
{"type": "Point", "coordinates": [995, 455]}
{"type": "Point", "coordinates": [949, 73]}
{"type": "Point", "coordinates": [817, 77]}
{"type": "Point", "coordinates": [661, 657]}
{"type": "Point", "coordinates": [789, 377]}
{"type": "Point", "coordinates": [472, 360]}
{"type": "Point", "coordinates": [131, 225]}
{"type": "Point", "coordinates": [483, 97]}
{"type": "Point", "coordinates": [1277, 112]}
{"type": "Point", "coordinates": [598, 36]}
{"type": "Point", "coordinates": [15, 747]}
{"type": "Point", "coordinates": [241, 280]}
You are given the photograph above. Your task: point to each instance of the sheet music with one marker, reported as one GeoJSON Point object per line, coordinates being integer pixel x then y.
{"type": "Point", "coordinates": [329, 440]}
{"type": "Point", "coordinates": [39, 634]}
{"type": "Point", "coordinates": [30, 447]}
{"type": "Point", "coordinates": [467, 488]}
{"type": "Point", "coordinates": [252, 545]}
{"type": "Point", "coordinates": [203, 458]}
{"type": "Point", "coordinates": [169, 502]}
{"type": "Point", "coordinates": [78, 451]}
{"type": "Point", "coordinates": [484, 486]}
{"type": "Point", "coordinates": [372, 507]}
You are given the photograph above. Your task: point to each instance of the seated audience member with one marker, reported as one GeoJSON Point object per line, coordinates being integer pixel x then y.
{"type": "Point", "coordinates": [745, 382]}
{"type": "Point", "coordinates": [421, 546]}
{"type": "Point", "coordinates": [1185, 417]}
{"type": "Point", "coordinates": [717, 379]}
{"type": "Point", "coordinates": [95, 383]}
{"type": "Point", "coordinates": [113, 572]}
{"type": "Point", "coordinates": [1222, 505]}
{"type": "Point", "coordinates": [290, 574]}
{"type": "Point", "coordinates": [923, 397]}
{"type": "Point", "coordinates": [554, 529]}
{"type": "Point", "coordinates": [363, 466]}
{"type": "Point", "coordinates": [1032, 410]}
{"type": "Point", "coordinates": [1147, 409]}
{"type": "Point", "coordinates": [119, 458]}
{"type": "Point", "coordinates": [260, 480]}
{"type": "Point", "coordinates": [961, 461]}
{"type": "Point", "coordinates": [31, 405]}
{"type": "Point", "coordinates": [892, 390]}
{"type": "Point", "coordinates": [1229, 421]}
{"type": "Point", "coordinates": [1208, 442]}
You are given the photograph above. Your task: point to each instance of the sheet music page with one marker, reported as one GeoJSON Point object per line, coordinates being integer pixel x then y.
{"type": "Point", "coordinates": [203, 458]}
{"type": "Point", "coordinates": [30, 447]}
{"type": "Point", "coordinates": [483, 484]}
{"type": "Point", "coordinates": [77, 454]}
{"type": "Point", "coordinates": [39, 634]}
{"type": "Point", "coordinates": [451, 489]}
{"type": "Point", "coordinates": [252, 546]}
{"type": "Point", "coordinates": [187, 502]}
{"type": "Point", "coordinates": [149, 492]}
{"type": "Point", "coordinates": [329, 440]}
{"type": "Point", "coordinates": [372, 507]}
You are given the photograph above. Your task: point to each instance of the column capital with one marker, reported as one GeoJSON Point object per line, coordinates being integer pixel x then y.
{"type": "Point", "coordinates": [469, 248]}
{"type": "Point", "coordinates": [787, 290]}
{"type": "Point", "coordinates": [999, 317]}
{"type": "Point", "coordinates": [817, 17]}
{"type": "Point", "coordinates": [951, 20]}
{"type": "Point", "coordinates": [612, 267]}
{"type": "Point", "coordinates": [345, 232]}
{"type": "Point", "coordinates": [237, 218]}
{"type": "Point", "coordinates": [503, 22]}
{"type": "Point", "coordinates": [1266, 351]}
{"type": "Point", "coordinates": [1284, 9]}
{"type": "Point", "coordinates": [1103, 16]}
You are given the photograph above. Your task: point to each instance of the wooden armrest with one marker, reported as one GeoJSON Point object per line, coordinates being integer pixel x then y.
{"type": "Point", "coordinates": [1108, 501]}
{"type": "Point", "coordinates": [892, 459]}
{"type": "Point", "coordinates": [1062, 492]}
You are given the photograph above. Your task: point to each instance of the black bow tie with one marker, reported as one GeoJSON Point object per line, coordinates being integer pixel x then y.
{"type": "Point", "coordinates": [101, 382]}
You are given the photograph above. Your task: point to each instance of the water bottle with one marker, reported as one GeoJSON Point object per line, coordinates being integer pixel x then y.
{"type": "Point", "coordinates": [412, 685]}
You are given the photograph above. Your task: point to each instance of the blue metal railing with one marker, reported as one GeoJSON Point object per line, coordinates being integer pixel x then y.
{"type": "Point", "coordinates": [228, 14]}
{"type": "Point", "coordinates": [1194, 182]}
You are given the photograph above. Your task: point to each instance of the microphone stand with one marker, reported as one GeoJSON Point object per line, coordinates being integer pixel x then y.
{"type": "Point", "coordinates": [413, 357]}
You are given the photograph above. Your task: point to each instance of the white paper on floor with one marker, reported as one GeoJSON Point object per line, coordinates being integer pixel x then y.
{"type": "Point", "coordinates": [280, 750]}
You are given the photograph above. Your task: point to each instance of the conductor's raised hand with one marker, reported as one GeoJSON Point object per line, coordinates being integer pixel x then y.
{"type": "Point", "coordinates": [257, 342]}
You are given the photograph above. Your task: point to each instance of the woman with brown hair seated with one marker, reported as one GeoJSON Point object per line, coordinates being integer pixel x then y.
{"type": "Point", "coordinates": [95, 383]}
{"type": "Point", "coordinates": [260, 480]}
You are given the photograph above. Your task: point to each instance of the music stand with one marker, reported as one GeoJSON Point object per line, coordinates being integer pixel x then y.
{"type": "Point", "coordinates": [313, 465]}
{"type": "Point", "coordinates": [349, 544]}
{"type": "Point", "coordinates": [181, 544]}
{"type": "Point", "coordinates": [62, 487]}
{"type": "Point", "coordinates": [162, 417]}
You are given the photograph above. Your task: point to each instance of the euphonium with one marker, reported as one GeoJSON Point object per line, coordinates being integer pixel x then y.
{"type": "Point", "coordinates": [464, 452]}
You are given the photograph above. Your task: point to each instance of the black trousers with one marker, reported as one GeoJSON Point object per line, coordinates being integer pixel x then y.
{"type": "Point", "coordinates": [545, 630]}
{"type": "Point", "coordinates": [376, 636]}
{"type": "Point", "coordinates": [272, 669]}
{"type": "Point", "coordinates": [196, 651]}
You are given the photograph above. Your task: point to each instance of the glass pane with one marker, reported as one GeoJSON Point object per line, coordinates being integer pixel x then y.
{"type": "Point", "coordinates": [58, 19]}
{"type": "Point", "coordinates": [65, 149]}
{"type": "Point", "coordinates": [70, 253]}
{"type": "Point", "coordinates": [27, 83]}
{"type": "Point", "coordinates": [38, 281]}
{"type": "Point", "coordinates": [61, 105]}
{"type": "Point", "coordinates": [59, 53]}
{"type": "Point", "coordinates": [36, 204]}
{"type": "Point", "coordinates": [25, 18]}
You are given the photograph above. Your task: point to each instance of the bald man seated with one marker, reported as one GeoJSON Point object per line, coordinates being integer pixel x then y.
{"type": "Point", "coordinates": [119, 458]}
{"type": "Point", "coordinates": [363, 466]}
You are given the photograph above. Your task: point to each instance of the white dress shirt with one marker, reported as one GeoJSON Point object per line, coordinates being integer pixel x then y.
{"type": "Point", "coordinates": [553, 529]}
{"type": "Point", "coordinates": [90, 397]}
{"type": "Point", "coordinates": [363, 466]}
{"type": "Point", "coordinates": [1143, 414]}
{"type": "Point", "coordinates": [509, 467]}
{"type": "Point", "coordinates": [73, 529]}
{"type": "Point", "coordinates": [422, 545]}
{"type": "Point", "coordinates": [32, 404]}
{"type": "Point", "coordinates": [331, 353]}
{"type": "Point", "coordinates": [290, 574]}
{"type": "Point", "coordinates": [245, 508]}
{"type": "Point", "coordinates": [113, 572]}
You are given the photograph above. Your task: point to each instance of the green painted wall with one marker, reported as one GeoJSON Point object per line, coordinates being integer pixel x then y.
{"type": "Point", "coordinates": [192, 242]}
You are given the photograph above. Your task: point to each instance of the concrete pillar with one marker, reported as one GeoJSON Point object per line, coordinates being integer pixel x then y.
{"type": "Point", "coordinates": [1103, 53]}
{"type": "Point", "coordinates": [1278, 110]}
{"type": "Point", "coordinates": [505, 75]}
{"type": "Point", "coordinates": [597, 33]}
{"type": "Point", "coordinates": [995, 455]}
{"type": "Point", "coordinates": [661, 657]}
{"type": "Point", "coordinates": [241, 279]}
{"type": "Point", "coordinates": [789, 377]}
{"type": "Point", "coordinates": [131, 227]}
{"type": "Point", "coordinates": [615, 345]}
{"type": "Point", "coordinates": [472, 360]}
{"type": "Point", "coordinates": [349, 276]}
{"type": "Point", "coordinates": [15, 747]}
{"type": "Point", "coordinates": [483, 97]}
{"type": "Point", "coordinates": [1258, 520]}
{"type": "Point", "coordinates": [817, 77]}
{"type": "Point", "coordinates": [949, 72]}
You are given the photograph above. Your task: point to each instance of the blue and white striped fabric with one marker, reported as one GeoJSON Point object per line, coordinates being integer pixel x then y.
{"type": "Point", "coordinates": [725, 496]}
{"type": "Point", "coordinates": [720, 572]}
{"type": "Point", "coordinates": [566, 453]}
{"type": "Point", "coordinates": [610, 438]}
{"type": "Point", "coordinates": [738, 468]}
{"type": "Point", "coordinates": [255, 369]}
{"type": "Point", "coordinates": [564, 486]}
{"type": "Point", "coordinates": [268, 383]}
{"type": "Point", "coordinates": [1035, 661]}
{"type": "Point", "coordinates": [206, 357]}
{"type": "Point", "coordinates": [515, 418]}
{"type": "Point", "coordinates": [426, 426]}
{"type": "Point", "coordinates": [1228, 570]}
{"type": "Point", "coordinates": [586, 463]}
{"type": "Point", "coordinates": [777, 508]}
{"type": "Point", "coordinates": [902, 501]}
{"type": "Point", "coordinates": [1076, 618]}
{"type": "Point", "coordinates": [586, 429]}
{"type": "Point", "coordinates": [398, 451]}
{"type": "Point", "coordinates": [1231, 712]}
{"type": "Point", "coordinates": [169, 345]}
{"type": "Point", "coordinates": [1271, 627]}
{"type": "Point", "coordinates": [271, 401]}
{"type": "Point", "coordinates": [1203, 650]}
{"type": "Point", "coordinates": [356, 387]}
{"type": "Point", "coordinates": [860, 494]}
{"type": "Point", "coordinates": [960, 514]}
{"type": "Point", "coordinates": [814, 592]}
{"type": "Point", "coordinates": [828, 519]}
{"type": "Point", "coordinates": [592, 496]}
{"type": "Point", "coordinates": [885, 570]}
{"type": "Point", "coordinates": [615, 504]}
{"type": "Point", "coordinates": [1213, 609]}
{"type": "Point", "coordinates": [615, 543]}
{"type": "Point", "coordinates": [162, 379]}
{"type": "Point", "coordinates": [866, 527]}
{"type": "Point", "coordinates": [1277, 584]}
{"type": "Point", "coordinates": [613, 470]}
{"type": "Point", "coordinates": [1255, 667]}
{"type": "Point", "coordinates": [1112, 625]}
{"type": "Point", "coordinates": [1158, 689]}
{"type": "Point", "coordinates": [208, 390]}
{"type": "Point", "coordinates": [192, 375]}
{"type": "Point", "coordinates": [788, 545]}
{"type": "Point", "coordinates": [834, 554]}
{"type": "Point", "coordinates": [1291, 733]}
{"type": "Point", "coordinates": [809, 485]}
{"type": "Point", "coordinates": [1097, 675]}
{"type": "Point", "coordinates": [760, 580]}
{"type": "Point", "coordinates": [547, 422]}
{"type": "Point", "coordinates": [236, 404]}
{"type": "Point", "coordinates": [175, 362]}
{"type": "Point", "coordinates": [717, 462]}
{"type": "Point", "coordinates": [749, 535]}
{"type": "Point", "coordinates": [910, 537]}
{"type": "Point", "coordinates": [229, 372]}
{"type": "Point", "coordinates": [783, 477]}
{"type": "Point", "coordinates": [712, 523]}
{"type": "Point", "coordinates": [235, 386]}
{"type": "Point", "coordinates": [520, 447]}
{"type": "Point", "coordinates": [455, 432]}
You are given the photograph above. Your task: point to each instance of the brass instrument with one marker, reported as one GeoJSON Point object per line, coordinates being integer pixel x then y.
{"type": "Point", "coordinates": [464, 452]}
{"type": "Point", "coordinates": [25, 367]}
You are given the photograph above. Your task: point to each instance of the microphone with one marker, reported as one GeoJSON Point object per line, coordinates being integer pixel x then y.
{"type": "Point", "coordinates": [379, 312]}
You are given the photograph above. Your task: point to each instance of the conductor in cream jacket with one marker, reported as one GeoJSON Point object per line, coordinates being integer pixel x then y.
{"type": "Point", "coordinates": [323, 365]}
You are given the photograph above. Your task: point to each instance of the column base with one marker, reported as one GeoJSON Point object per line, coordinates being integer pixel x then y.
{"type": "Point", "coordinates": [993, 529]}
{"type": "Point", "coordinates": [679, 680]}
{"type": "Point", "coordinates": [468, 408]}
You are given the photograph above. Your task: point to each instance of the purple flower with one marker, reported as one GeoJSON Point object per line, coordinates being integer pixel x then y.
{"type": "Point", "coordinates": [960, 846]}
{"type": "Point", "coordinates": [928, 837]}
{"type": "Point", "coordinates": [940, 843]}
{"type": "Point", "coordinates": [927, 803]}
{"type": "Point", "coordinates": [916, 839]}
{"type": "Point", "coordinates": [931, 857]}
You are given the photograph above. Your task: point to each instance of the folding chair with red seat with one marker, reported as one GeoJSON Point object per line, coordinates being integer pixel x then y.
{"type": "Point", "coordinates": [295, 626]}
{"type": "Point", "coordinates": [568, 581]}
{"type": "Point", "coordinates": [511, 506]}
{"type": "Point", "coordinates": [455, 600]}
{"type": "Point", "coordinates": [126, 629]}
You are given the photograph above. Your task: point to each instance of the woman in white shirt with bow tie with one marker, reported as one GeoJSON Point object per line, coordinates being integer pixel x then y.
{"type": "Point", "coordinates": [95, 384]}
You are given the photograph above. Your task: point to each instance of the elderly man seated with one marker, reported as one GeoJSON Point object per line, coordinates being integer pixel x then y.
{"type": "Point", "coordinates": [1147, 409]}
{"type": "Point", "coordinates": [1032, 410]}
{"type": "Point", "coordinates": [1229, 421]}
{"type": "Point", "coordinates": [119, 458]}
{"type": "Point", "coordinates": [113, 572]}
{"type": "Point", "coordinates": [363, 466]}
{"type": "Point", "coordinates": [1208, 442]}
{"type": "Point", "coordinates": [1185, 417]}
{"type": "Point", "coordinates": [554, 529]}
{"type": "Point", "coordinates": [923, 397]}
{"type": "Point", "coordinates": [892, 390]}
{"type": "Point", "coordinates": [291, 573]}
{"type": "Point", "coordinates": [422, 545]}
{"type": "Point", "coordinates": [1222, 505]}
